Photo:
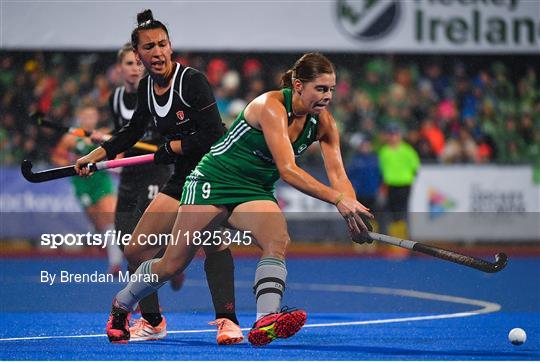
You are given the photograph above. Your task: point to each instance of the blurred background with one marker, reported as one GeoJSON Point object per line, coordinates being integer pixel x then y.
{"type": "Point", "coordinates": [458, 83]}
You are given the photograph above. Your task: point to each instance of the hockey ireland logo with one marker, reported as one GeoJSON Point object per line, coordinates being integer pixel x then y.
{"type": "Point", "coordinates": [368, 19]}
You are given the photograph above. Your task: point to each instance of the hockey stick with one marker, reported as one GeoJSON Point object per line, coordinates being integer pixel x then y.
{"type": "Point", "coordinates": [500, 259]}
{"type": "Point", "coordinates": [67, 171]}
{"type": "Point", "coordinates": [41, 121]}
{"type": "Point", "coordinates": [62, 129]}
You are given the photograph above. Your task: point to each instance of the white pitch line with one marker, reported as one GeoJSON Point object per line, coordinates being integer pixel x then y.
{"type": "Point", "coordinates": [487, 307]}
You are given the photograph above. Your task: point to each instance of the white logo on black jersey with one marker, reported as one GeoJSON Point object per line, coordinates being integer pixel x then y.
{"type": "Point", "coordinates": [182, 122]}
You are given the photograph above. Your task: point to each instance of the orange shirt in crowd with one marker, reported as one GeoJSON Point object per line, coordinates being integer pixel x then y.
{"type": "Point", "coordinates": [435, 138]}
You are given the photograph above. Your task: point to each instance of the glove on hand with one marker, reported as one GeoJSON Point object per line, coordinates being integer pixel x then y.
{"type": "Point", "coordinates": [165, 155]}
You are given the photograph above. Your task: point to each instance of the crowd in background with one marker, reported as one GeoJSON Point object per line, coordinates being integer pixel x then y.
{"type": "Point", "coordinates": [450, 110]}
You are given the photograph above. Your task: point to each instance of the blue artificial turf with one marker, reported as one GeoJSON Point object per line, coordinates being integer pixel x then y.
{"type": "Point", "coordinates": [325, 287]}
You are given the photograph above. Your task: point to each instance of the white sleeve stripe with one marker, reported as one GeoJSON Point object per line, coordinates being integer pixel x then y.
{"type": "Point", "coordinates": [149, 94]}
{"type": "Point", "coordinates": [115, 101]}
{"type": "Point", "coordinates": [180, 87]}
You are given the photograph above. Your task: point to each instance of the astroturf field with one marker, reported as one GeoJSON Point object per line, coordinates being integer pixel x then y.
{"type": "Point", "coordinates": [358, 309]}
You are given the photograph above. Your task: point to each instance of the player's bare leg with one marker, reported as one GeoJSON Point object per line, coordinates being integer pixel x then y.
{"type": "Point", "coordinates": [157, 221]}
{"type": "Point", "coordinates": [266, 224]}
{"type": "Point", "coordinates": [101, 215]}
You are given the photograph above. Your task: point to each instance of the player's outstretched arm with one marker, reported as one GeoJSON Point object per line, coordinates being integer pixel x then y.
{"type": "Point", "coordinates": [273, 122]}
{"type": "Point", "coordinates": [356, 215]}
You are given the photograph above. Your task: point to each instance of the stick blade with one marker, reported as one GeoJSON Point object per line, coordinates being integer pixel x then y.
{"type": "Point", "coordinates": [46, 175]}
{"type": "Point", "coordinates": [501, 259]}
{"type": "Point", "coordinates": [26, 170]}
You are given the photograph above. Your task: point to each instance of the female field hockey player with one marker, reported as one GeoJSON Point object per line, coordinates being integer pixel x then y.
{"type": "Point", "coordinates": [182, 106]}
{"type": "Point", "coordinates": [234, 184]}
{"type": "Point", "coordinates": [138, 186]}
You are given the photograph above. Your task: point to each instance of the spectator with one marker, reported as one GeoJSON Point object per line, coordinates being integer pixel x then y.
{"type": "Point", "coordinates": [227, 90]}
{"type": "Point", "coordinates": [484, 152]}
{"type": "Point", "coordinates": [511, 143]}
{"type": "Point", "coordinates": [433, 134]}
{"type": "Point", "coordinates": [399, 164]}
{"type": "Point", "coordinates": [461, 148]}
{"type": "Point", "coordinates": [425, 152]}
{"type": "Point", "coordinates": [368, 96]}
{"type": "Point", "coordinates": [373, 83]}
{"type": "Point", "coordinates": [439, 82]}
{"type": "Point", "coordinates": [526, 128]}
{"type": "Point", "coordinates": [364, 173]}
{"type": "Point", "coordinates": [215, 71]}
{"type": "Point", "coordinates": [252, 68]}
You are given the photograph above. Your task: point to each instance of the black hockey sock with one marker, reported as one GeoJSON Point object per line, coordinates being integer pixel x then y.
{"type": "Point", "coordinates": [219, 268]}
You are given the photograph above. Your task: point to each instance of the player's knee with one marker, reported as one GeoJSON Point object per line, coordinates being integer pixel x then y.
{"type": "Point", "coordinates": [133, 257]}
{"type": "Point", "coordinates": [277, 247]}
{"type": "Point", "coordinates": [170, 269]}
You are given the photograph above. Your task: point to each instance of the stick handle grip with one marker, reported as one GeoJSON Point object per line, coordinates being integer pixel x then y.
{"type": "Point", "coordinates": [125, 162]}
{"type": "Point", "coordinates": [403, 243]}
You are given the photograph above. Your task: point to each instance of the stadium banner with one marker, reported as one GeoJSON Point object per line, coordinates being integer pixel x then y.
{"type": "Point", "coordinates": [360, 26]}
{"type": "Point", "coordinates": [447, 203]}
{"type": "Point", "coordinates": [29, 210]}
{"type": "Point", "coordinates": [475, 203]}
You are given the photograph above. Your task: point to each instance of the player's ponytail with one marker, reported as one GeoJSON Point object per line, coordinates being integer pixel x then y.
{"type": "Point", "coordinates": [286, 79]}
{"type": "Point", "coordinates": [146, 21]}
